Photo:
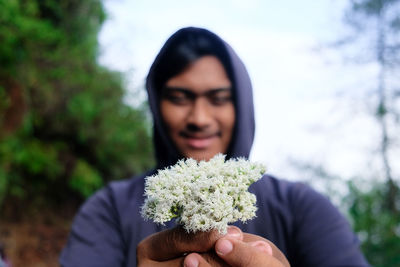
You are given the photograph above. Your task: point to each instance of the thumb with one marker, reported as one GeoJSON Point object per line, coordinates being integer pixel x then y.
{"type": "Point", "coordinates": [238, 253]}
{"type": "Point", "coordinates": [172, 243]}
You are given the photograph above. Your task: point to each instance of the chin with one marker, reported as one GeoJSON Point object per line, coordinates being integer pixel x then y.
{"type": "Point", "coordinates": [201, 155]}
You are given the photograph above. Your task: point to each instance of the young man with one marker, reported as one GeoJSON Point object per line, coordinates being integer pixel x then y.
{"type": "Point", "coordinates": [201, 100]}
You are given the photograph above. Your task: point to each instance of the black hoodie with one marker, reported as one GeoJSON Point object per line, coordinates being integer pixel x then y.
{"type": "Point", "coordinates": [299, 221]}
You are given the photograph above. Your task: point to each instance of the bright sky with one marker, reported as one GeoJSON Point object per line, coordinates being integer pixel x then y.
{"type": "Point", "coordinates": [298, 115]}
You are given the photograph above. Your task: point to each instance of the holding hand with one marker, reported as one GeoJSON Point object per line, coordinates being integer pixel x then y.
{"type": "Point", "coordinates": [169, 248]}
{"type": "Point", "coordinates": [250, 250]}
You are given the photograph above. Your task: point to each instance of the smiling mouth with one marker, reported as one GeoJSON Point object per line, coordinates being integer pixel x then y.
{"type": "Point", "coordinates": [199, 142]}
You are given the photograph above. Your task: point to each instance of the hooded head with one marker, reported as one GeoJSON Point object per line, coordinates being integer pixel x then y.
{"type": "Point", "coordinates": [186, 52]}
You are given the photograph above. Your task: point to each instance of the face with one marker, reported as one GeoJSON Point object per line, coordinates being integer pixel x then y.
{"type": "Point", "coordinates": [197, 109]}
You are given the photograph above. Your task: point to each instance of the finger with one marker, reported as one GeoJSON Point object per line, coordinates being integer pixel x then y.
{"type": "Point", "coordinates": [174, 243]}
{"type": "Point", "coordinates": [170, 263]}
{"type": "Point", "coordinates": [205, 259]}
{"type": "Point", "coordinates": [234, 233]}
{"type": "Point", "coordinates": [238, 253]}
{"type": "Point", "coordinates": [262, 246]}
{"type": "Point", "coordinates": [252, 240]}
{"type": "Point", "coordinates": [195, 260]}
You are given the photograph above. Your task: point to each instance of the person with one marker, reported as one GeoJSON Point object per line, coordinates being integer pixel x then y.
{"type": "Point", "coordinates": [201, 100]}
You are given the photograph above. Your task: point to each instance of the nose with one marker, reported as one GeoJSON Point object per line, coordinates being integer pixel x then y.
{"type": "Point", "coordinates": [200, 114]}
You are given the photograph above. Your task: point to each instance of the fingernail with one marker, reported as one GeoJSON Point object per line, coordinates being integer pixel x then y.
{"type": "Point", "coordinates": [262, 246]}
{"type": "Point", "coordinates": [223, 247]}
{"type": "Point", "coordinates": [191, 262]}
{"type": "Point", "coordinates": [234, 232]}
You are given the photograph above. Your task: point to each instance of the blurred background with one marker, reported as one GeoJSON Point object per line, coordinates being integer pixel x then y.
{"type": "Point", "coordinates": [74, 116]}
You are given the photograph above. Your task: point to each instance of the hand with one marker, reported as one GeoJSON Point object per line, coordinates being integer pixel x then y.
{"type": "Point", "coordinates": [248, 250]}
{"type": "Point", "coordinates": [169, 247]}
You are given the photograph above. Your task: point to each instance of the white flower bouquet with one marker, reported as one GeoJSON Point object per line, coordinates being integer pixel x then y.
{"type": "Point", "coordinates": [203, 195]}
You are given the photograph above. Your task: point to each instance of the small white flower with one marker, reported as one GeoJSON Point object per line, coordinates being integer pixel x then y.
{"type": "Point", "coordinates": [203, 195]}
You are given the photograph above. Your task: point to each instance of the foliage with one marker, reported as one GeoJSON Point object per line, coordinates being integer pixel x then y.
{"type": "Point", "coordinates": [375, 211]}
{"type": "Point", "coordinates": [376, 224]}
{"type": "Point", "coordinates": [85, 179]}
{"type": "Point", "coordinates": [372, 199]}
{"type": "Point", "coordinates": [64, 126]}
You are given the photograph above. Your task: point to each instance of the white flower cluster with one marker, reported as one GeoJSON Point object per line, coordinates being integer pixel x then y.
{"type": "Point", "coordinates": [203, 195]}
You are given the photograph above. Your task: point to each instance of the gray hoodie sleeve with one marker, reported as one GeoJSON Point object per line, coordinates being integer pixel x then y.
{"type": "Point", "coordinates": [95, 238]}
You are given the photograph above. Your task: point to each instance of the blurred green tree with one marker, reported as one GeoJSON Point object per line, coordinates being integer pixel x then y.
{"type": "Point", "coordinates": [372, 197]}
{"type": "Point", "coordinates": [376, 25]}
{"type": "Point", "coordinates": [375, 210]}
{"type": "Point", "coordinates": [375, 222]}
{"type": "Point", "coordinates": [65, 129]}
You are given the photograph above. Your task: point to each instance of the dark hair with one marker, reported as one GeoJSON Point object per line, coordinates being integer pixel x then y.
{"type": "Point", "coordinates": [183, 48]}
